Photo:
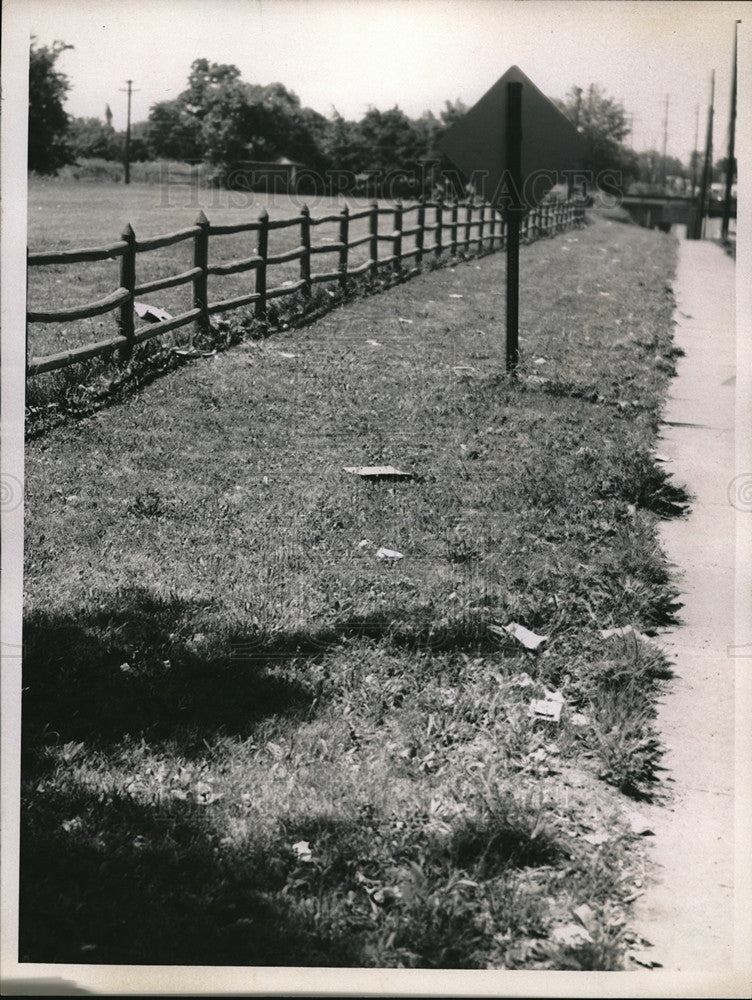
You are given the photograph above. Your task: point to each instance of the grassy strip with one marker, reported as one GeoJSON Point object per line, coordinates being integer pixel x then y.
{"type": "Point", "coordinates": [82, 389]}
{"type": "Point", "coordinates": [250, 740]}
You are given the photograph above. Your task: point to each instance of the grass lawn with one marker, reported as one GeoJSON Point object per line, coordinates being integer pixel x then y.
{"type": "Point", "coordinates": [249, 739]}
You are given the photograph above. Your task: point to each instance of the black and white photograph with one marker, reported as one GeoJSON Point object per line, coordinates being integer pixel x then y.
{"type": "Point", "coordinates": [376, 495]}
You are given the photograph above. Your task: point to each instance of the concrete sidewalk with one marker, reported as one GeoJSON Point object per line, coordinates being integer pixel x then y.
{"type": "Point", "coordinates": [687, 912]}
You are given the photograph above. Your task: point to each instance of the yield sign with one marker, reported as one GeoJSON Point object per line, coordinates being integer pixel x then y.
{"type": "Point", "coordinates": [477, 143]}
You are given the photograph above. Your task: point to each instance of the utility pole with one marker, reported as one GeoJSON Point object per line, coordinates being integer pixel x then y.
{"type": "Point", "coordinates": [706, 166]}
{"type": "Point", "coordinates": [665, 140]}
{"type": "Point", "coordinates": [127, 153]}
{"type": "Point", "coordinates": [730, 155]}
{"type": "Point", "coordinates": [695, 153]}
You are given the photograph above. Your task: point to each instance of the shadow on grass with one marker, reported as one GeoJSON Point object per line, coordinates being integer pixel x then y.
{"type": "Point", "coordinates": [110, 880]}
{"type": "Point", "coordinates": [141, 665]}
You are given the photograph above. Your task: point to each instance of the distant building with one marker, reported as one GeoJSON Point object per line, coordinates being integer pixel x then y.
{"type": "Point", "coordinates": [277, 175]}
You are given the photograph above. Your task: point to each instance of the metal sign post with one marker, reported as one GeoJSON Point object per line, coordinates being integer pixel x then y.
{"type": "Point", "coordinates": [487, 143]}
{"type": "Point", "coordinates": [513, 219]}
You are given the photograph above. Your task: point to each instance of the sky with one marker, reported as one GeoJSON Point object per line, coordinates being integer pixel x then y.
{"type": "Point", "coordinates": [353, 54]}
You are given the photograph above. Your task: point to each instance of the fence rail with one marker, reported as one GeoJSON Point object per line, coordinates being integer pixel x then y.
{"type": "Point", "coordinates": [453, 228]}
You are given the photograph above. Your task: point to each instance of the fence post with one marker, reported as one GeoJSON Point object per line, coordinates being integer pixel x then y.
{"type": "Point", "coordinates": [453, 229]}
{"type": "Point", "coordinates": [421, 234]}
{"type": "Point", "coordinates": [305, 241]}
{"type": "Point", "coordinates": [482, 228]}
{"type": "Point", "coordinates": [397, 262]}
{"type": "Point", "coordinates": [439, 223]}
{"type": "Point", "coordinates": [259, 310]}
{"type": "Point", "coordinates": [200, 282]}
{"type": "Point", "coordinates": [373, 228]}
{"type": "Point", "coordinates": [126, 321]}
{"type": "Point", "coordinates": [492, 228]}
{"type": "Point", "coordinates": [468, 224]}
{"type": "Point", "coordinates": [344, 237]}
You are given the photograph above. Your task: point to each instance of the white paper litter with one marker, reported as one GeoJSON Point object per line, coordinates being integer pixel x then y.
{"type": "Point", "coordinates": [286, 354]}
{"type": "Point", "coordinates": [596, 839]}
{"type": "Point", "coordinates": [624, 631]}
{"type": "Point", "coordinates": [546, 709]}
{"type": "Point", "coordinates": [586, 916]}
{"type": "Point", "coordinates": [303, 850]}
{"type": "Point", "coordinates": [191, 352]}
{"type": "Point", "coordinates": [523, 680]}
{"type": "Point", "coordinates": [378, 472]}
{"type": "Point", "coordinates": [528, 639]}
{"type": "Point", "coordinates": [373, 343]}
{"type": "Point", "coordinates": [570, 934]}
{"type": "Point", "coordinates": [389, 554]}
{"type": "Point", "coordinates": [401, 320]}
{"type": "Point", "coordinates": [454, 295]}
{"type": "Point", "coordinates": [151, 314]}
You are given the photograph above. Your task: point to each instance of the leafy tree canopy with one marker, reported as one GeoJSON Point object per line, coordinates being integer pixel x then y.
{"type": "Point", "coordinates": [90, 137]}
{"type": "Point", "coordinates": [48, 120]}
{"type": "Point", "coordinates": [221, 118]}
{"type": "Point", "coordinates": [603, 124]}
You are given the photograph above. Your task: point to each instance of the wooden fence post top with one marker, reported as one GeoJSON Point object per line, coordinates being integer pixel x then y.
{"type": "Point", "coordinates": [305, 210]}
{"type": "Point", "coordinates": [201, 219]}
{"type": "Point", "coordinates": [263, 215]}
{"type": "Point", "coordinates": [127, 233]}
{"type": "Point", "coordinates": [345, 210]}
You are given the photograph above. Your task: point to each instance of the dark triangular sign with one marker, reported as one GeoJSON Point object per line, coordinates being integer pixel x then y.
{"type": "Point", "coordinates": [551, 145]}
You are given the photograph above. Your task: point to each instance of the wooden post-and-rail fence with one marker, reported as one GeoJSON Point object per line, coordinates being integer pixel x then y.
{"type": "Point", "coordinates": [480, 227]}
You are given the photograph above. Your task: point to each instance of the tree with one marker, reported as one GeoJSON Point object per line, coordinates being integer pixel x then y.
{"type": "Point", "coordinates": [90, 137]}
{"type": "Point", "coordinates": [602, 123]}
{"type": "Point", "coordinates": [173, 132]}
{"type": "Point", "coordinates": [453, 111]}
{"type": "Point", "coordinates": [48, 120]}
{"type": "Point", "coordinates": [342, 144]}
{"type": "Point", "coordinates": [395, 146]}
{"type": "Point", "coordinates": [223, 119]}
{"type": "Point", "coordinates": [720, 168]}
